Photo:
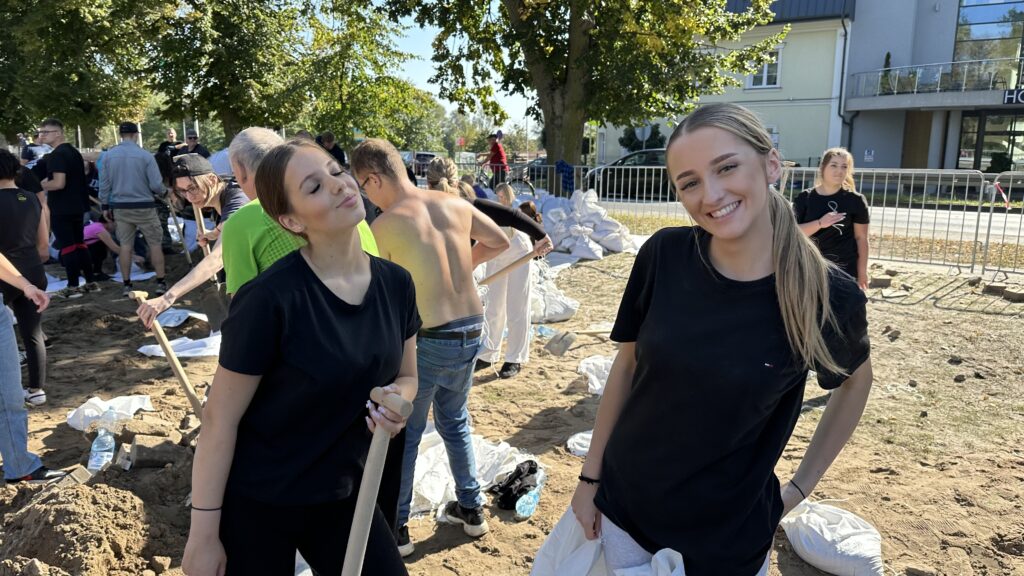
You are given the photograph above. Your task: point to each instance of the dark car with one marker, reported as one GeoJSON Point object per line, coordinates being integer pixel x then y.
{"type": "Point", "coordinates": [638, 175]}
{"type": "Point", "coordinates": [418, 161]}
{"type": "Point", "coordinates": [537, 170]}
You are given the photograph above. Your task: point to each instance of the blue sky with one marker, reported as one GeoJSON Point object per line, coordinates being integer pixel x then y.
{"type": "Point", "coordinates": [417, 41]}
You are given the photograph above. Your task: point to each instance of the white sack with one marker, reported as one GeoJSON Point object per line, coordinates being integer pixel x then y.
{"type": "Point", "coordinates": [174, 317]}
{"type": "Point", "coordinates": [596, 369]}
{"type": "Point", "coordinates": [834, 540]}
{"type": "Point", "coordinates": [124, 406]}
{"type": "Point", "coordinates": [579, 443]}
{"type": "Point", "coordinates": [185, 347]}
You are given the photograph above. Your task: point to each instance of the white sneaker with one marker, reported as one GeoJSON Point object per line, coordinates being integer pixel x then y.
{"type": "Point", "coordinates": [36, 398]}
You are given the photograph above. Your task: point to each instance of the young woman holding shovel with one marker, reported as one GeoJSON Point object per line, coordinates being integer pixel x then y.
{"type": "Point", "coordinates": [719, 325]}
{"type": "Point", "coordinates": [288, 423]}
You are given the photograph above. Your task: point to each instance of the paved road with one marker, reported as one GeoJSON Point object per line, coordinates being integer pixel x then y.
{"type": "Point", "coordinates": [914, 222]}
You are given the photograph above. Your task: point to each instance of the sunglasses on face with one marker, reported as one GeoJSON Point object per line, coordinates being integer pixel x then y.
{"type": "Point", "coordinates": [190, 191]}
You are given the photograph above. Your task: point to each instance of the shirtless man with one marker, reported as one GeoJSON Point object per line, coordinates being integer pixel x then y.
{"type": "Point", "coordinates": [429, 234]}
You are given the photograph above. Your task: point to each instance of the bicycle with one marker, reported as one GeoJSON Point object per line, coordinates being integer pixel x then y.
{"type": "Point", "coordinates": [520, 183]}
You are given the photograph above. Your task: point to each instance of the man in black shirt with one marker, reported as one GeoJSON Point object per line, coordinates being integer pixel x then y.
{"type": "Point", "coordinates": [192, 145]}
{"type": "Point", "coordinates": [326, 140]}
{"type": "Point", "coordinates": [68, 199]}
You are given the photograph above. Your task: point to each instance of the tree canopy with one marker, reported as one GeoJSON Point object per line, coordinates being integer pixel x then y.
{"type": "Point", "coordinates": [617, 61]}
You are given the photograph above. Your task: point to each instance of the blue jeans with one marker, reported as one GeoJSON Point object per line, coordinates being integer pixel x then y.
{"type": "Point", "coordinates": [18, 461]}
{"type": "Point", "coordinates": [445, 370]}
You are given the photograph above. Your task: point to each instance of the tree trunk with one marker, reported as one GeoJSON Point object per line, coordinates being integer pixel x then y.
{"type": "Point", "coordinates": [230, 122]}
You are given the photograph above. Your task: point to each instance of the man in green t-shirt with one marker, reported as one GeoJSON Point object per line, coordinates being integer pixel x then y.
{"type": "Point", "coordinates": [250, 242]}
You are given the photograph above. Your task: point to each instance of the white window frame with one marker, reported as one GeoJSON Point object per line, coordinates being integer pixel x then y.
{"type": "Point", "coordinates": [762, 73]}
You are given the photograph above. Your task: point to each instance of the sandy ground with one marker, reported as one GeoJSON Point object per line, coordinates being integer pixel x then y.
{"type": "Point", "coordinates": [937, 464]}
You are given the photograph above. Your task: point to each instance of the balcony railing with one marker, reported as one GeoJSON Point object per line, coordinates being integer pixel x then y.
{"type": "Point", "coordinates": [997, 74]}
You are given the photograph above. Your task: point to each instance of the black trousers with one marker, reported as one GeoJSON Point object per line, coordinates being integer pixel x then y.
{"type": "Point", "coordinates": [97, 255]}
{"type": "Point", "coordinates": [30, 324]}
{"type": "Point", "coordinates": [262, 538]}
{"type": "Point", "coordinates": [498, 177]}
{"type": "Point", "coordinates": [74, 255]}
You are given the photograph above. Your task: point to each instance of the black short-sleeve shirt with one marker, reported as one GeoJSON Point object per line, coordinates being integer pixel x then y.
{"type": "Point", "coordinates": [19, 226]}
{"type": "Point", "coordinates": [836, 243]}
{"type": "Point", "coordinates": [714, 398]}
{"type": "Point", "coordinates": [303, 440]}
{"type": "Point", "coordinates": [74, 197]}
{"type": "Point", "coordinates": [231, 199]}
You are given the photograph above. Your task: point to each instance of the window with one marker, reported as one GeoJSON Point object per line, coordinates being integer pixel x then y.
{"type": "Point", "coordinates": [768, 75]}
{"type": "Point", "coordinates": [989, 30]}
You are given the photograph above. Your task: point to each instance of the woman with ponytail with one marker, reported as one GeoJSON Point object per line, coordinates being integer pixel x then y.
{"type": "Point", "coordinates": [719, 325]}
{"type": "Point", "coordinates": [835, 216]}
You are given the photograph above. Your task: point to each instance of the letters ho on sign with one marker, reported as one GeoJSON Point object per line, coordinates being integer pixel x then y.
{"type": "Point", "coordinates": [1013, 96]}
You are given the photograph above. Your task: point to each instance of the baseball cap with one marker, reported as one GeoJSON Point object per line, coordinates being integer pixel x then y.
{"type": "Point", "coordinates": [128, 128]}
{"type": "Point", "coordinates": [191, 165]}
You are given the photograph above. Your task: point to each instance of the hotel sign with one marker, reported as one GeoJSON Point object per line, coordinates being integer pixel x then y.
{"type": "Point", "coordinates": [1013, 96]}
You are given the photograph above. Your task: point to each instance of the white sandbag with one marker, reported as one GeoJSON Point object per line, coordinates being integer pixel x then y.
{"type": "Point", "coordinates": [586, 208]}
{"type": "Point", "coordinates": [613, 236]}
{"type": "Point", "coordinates": [566, 551]}
{"type": "Point", "coordinates": [125, 408]}
{"type": "Point", "coordinates": [596, 369]}
{"type": "Point", "coordinates": [549, 304]}
{"type": "Point", "coordinates": [556, 262]}
{"type": "Point", "coordinates": [174, 317]}
{"type": "Point", "coordinates": [834, 540]}
{"type": "Point", "coordinates": [185, 347]}
{"type": "Point", "coordinates": [433, 484]}
{"type": "Point", "coordinates": [579, 443]}
{"type": "Point", "coordinates": [580, 244]}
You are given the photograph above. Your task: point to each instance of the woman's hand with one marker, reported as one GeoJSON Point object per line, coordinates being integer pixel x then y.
{"type": "Point", "coordinates": [791, 497]}
{"type": "Point", "coordinates": [543, 246]}
{"type": "Point", "coordinates": [830, 219]}
{"type": "Point", "coordinates": [38, 297]}
{"type": "Point", "coordinates": [862, 281]}
{"type": "Point", "coordinates": [152, 308]}
{"type": "Point", "coordinates": [585, 510]}
{"type": "Point", "coordinates": [204, 557]}
{"type": "Point", "coordinates": [382, 416]}
{"type": "Point", "coordinates": [210, 237]}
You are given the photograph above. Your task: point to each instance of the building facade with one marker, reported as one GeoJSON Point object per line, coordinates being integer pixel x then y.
{"type": "Point", "coordinates": [796, 95]}
{"type": "Point", "coordinates": [936, 84]}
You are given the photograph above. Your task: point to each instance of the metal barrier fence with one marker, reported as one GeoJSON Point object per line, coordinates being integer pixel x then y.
{"type": "Point", "coordinates": [958, 218]}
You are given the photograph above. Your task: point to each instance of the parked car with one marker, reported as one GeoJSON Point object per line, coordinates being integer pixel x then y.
{"type": "Point", "coordinates": [418, 161]}
{"type": "Point", "coordinates": [639, 175]}
{"type": "Point", "coordinates": [537, 170]}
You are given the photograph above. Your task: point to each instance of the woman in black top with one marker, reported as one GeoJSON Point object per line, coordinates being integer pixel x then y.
{"type": "Point", "coordinates": [835, 215]}
{"type": "Point", "coordinates": [718, 326]}
{"type": "Point", "coordinates": [287, 425]}
{"type": "Point", "coordinates": [24, 239]}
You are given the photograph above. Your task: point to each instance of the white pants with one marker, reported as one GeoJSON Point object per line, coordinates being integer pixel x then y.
{"type": "Point", "coordinates": [508, 302]}
{"type": "Point", "coordinates": [622, 552]}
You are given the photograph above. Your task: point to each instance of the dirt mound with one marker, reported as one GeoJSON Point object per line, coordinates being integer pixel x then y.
{"type": "Point", "coordinates": [82, 530]}
{"type": "Point", "coordinates": [29, 567]}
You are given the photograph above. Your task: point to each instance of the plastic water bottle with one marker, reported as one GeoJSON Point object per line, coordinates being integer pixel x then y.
{"type": "Point", "coordinates": [527, 503]}
{"type": "Point", "coordinates": [102, 451]}
{"type": "Point", "coordinates": [545, 332]}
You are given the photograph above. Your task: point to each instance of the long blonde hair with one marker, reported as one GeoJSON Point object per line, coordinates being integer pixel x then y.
{"type": "Point", "coordinates": [801, 274]}
{"type": "Point", "coordinates": [443, 175]}
{"type": "Point", "coordinates": [826, 157]}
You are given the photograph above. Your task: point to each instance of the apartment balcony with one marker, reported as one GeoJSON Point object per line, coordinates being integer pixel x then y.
{"type": "Point", "coordinates": [966, 84]}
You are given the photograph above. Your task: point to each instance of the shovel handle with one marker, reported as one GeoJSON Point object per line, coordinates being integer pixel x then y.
{"type": "Point", "coordinates": [507, 269]}
{"type": "Point", "coordinates": [161, 338]}
{"type": "Point", "coordinates": [201, 230]}
{"type": "Point", "coordinates": [355, 550]}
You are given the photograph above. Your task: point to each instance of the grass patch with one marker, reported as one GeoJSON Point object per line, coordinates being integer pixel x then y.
{"type": "Point", "coordinates": [649, 224]}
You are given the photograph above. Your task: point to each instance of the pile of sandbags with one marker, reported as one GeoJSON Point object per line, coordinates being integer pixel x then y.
{"type": "Point", "coordinates": [581, 227]}
{"type": "Point", "coordinates": [547, 301]}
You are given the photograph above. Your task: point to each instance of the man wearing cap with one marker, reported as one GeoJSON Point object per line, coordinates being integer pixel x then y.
{"type": "Point", "coordinates": [192, 145]}
{"type": "Point", "coordinates": [129, 181]}
{"type": "Point", "coordinates": [497, 160]}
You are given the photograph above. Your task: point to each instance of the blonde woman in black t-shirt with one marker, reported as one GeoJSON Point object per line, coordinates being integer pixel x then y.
{"type": "Point", "coordinates": [835, 216]}
{"type": "Point", "coordinates": [719, 325]}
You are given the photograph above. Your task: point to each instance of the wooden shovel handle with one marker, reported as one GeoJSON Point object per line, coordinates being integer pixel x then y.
{"type": "Point", "coordinates": [355, 550]}
{"type": "Point", "coordinates": [507, 269]}
{"type": "Point", "coordinates": [201, 231]}
{"type": "Point", "coordinates": [186, 386]}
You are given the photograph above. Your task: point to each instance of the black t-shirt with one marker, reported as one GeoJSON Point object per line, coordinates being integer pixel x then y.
{"type": "Point", "coordinates": [715, 396]}
{"type": "Point", "coordinates": [231, 199]}
{"type": "Point", "coordinates": [303, 439]}
{"type": "Point", "coordinates": [168, 148]}
{"type": "Point", "coordinates": [19, 224]}
{"type": "Point", "coordinates": [836, 243]}
{"type": "Point", "coordinates": [74, 197]}
{"type": "Point", "coordinates": [199, 149]}
{"type": "Point", "coordinates": [27, 181]}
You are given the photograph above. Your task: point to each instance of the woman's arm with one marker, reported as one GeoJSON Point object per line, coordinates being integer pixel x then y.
{"type": "Point", "coordinates": [512, 217]}
{"type": "Point", "coordinates": [108, 241]}
{"type": "Point", "coordinates": [10, 275]}
{"type": "Point", "coordinates": [620, 380]}
{"type": "Point", "coordinates": [406, 384]}
{"type": "Point", "coordinates": [842, 414]}
{"type": "Point", "coordinates": [43, 238]}
{"type": "Point", "coordinates": [228, 399]}
{"type": "Point", "coordinates": [860, 232]}
{"type": "Point", "coordinates": [202, 272]}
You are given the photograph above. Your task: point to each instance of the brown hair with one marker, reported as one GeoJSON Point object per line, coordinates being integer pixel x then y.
{"type": "Point", "coordinates": [530, 209]}
{"type": "Point", "coordinates": [270, 184]}
{"type": "Point", "coordinates": [377, 156]}
{"type": "Point", "coordinates": [826, 157]}
{"type": "Point", "coordinates": [801, 274]}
